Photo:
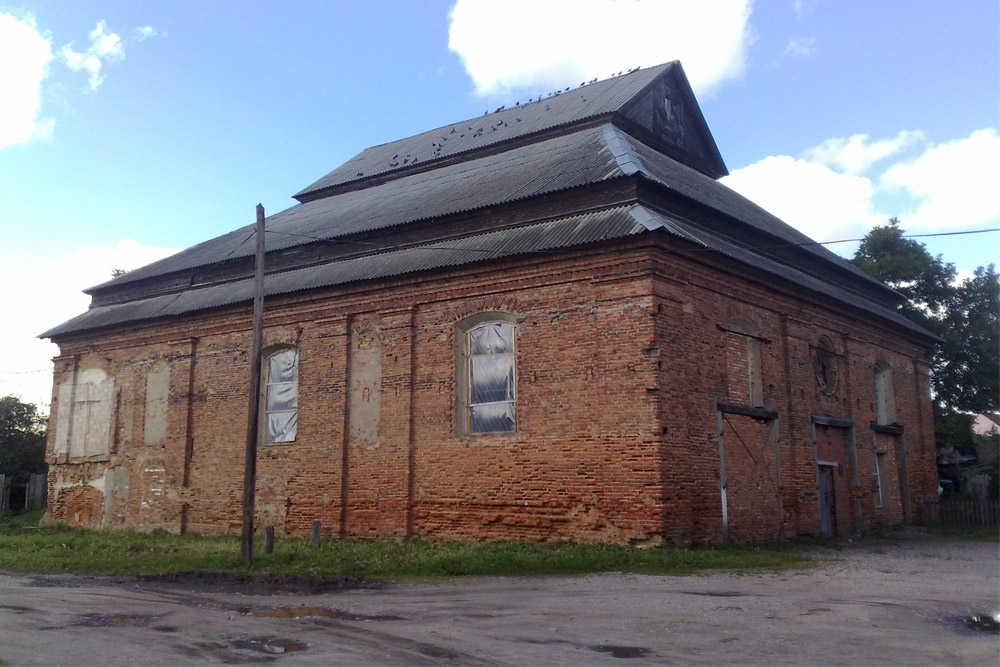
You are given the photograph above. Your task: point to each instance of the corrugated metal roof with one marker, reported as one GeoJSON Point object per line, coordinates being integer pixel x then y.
{"type": "Point", "coordinates": [554, 235]}
{"type": "Point", "coordinates": [550, 235]}
{"type": "Point", "coordinates": [697, 186]}
{"type": "Point", "coordinates": [567, 107]}
{"type": "Point", "coordinates": [789, 273]}
{"type": "Point", "coordinates": [556, 164]}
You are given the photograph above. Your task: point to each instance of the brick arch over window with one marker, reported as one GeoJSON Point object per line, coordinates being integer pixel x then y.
{"type": "Point", "coordinates": [743, 367]}
{"type": "Point", "coordinates": [885, 399]}
{"type": "Point", "coordinates": [486, 374]}
{"type": "Point", "coordinates": [280, 394]}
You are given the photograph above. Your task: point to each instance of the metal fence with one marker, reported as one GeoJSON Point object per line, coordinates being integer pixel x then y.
{"type": "Point", "coordinates": [962, 512]}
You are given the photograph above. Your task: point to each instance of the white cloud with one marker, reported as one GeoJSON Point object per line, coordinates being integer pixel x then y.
{"type": "Point", "coordinates": [50, 292]}
{"type": "Point", "coordinates": [955, 183]}
{"type": "Point", "coordinates": [539, 45]}
{"type": "Point", "coordinates": [24, 56]}
{"type": "Point", "coordinates": [857, 153]}
{"type": "Point", "coordinates": [801, 47]}
{"type": "Point", "coordinates": [816, 200]}
{"type": "Point", "coordinates": [104, 47]}
{"type": "Point", "coordinates": [143, 32]}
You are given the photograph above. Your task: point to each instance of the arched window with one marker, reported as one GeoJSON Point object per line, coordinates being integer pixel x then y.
{"type": "Point", "coordinates": [281, 395]}
{"type": "Point", "coordinates": [486, 386]}
{"type": "Point", "coordinates": [885, 399]}
{"type": "Point", "coordinates": [827, 366]}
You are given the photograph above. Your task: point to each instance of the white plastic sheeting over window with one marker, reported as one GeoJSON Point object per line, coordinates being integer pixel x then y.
{"type": "Point", "coordinates": [492, 388]}
{"type": "Point", "coordinates": [281, 407]}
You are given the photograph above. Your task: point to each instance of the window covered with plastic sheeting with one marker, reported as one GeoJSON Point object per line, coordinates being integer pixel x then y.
{"type": "Point", "coordinates": [492, 382]}
{"type": "Point", "coordinates": [281, 398]}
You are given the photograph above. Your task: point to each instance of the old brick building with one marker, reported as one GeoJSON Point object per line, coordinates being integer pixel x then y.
{"type": "Point", "coordinates": [549, 322]}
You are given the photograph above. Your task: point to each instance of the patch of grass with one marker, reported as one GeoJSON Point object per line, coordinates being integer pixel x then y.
{"type": "Point", "coordinates": [972, 533]}
{"type": "Point", "coordinates": [63, 549]}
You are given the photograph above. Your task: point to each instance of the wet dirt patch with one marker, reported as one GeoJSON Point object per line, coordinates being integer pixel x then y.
{"type": "Point", "coordinates": [113, 621]}
{"type": "Point", "coordinates": [268, 645]}
{"type": "Point", "coordinates": [716, 594]}
{"type": "Point", "coordinates": [257, 584]}
{"type": "Point", "coordinates": [17, 609]}
{"type": "Point", "coordinates": [982, 623]}
{"type": "Point", "coordinates": [308, 612]}
{"type": "Point", "coordinates": [621, 651]}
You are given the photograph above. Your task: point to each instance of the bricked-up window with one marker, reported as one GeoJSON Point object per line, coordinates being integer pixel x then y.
{"type": "Point", "coordinates": [491, 378]}
{"type": "Point", "coordinates": [885, 399]}
{"type": "Point", "coordinates": [281, 396]}
{"type": "Point", "coordinates": [742, 340]}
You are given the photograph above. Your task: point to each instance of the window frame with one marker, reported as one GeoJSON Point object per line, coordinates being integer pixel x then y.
{"type": "Point", "coordinates": [265, 387]}
{"type": "Point", "coordinates": [463, 370]}
{"type": "Point", "coordinates": [881, 460]}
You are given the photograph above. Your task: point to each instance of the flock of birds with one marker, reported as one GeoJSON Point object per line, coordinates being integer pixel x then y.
{"type": "Point", "coordinates": [408, 159]}
{"type": "Point", "coordinates": [560, 92]}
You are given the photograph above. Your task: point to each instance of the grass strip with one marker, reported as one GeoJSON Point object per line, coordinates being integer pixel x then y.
{"type": "Point", "coordinates": [32, 548]}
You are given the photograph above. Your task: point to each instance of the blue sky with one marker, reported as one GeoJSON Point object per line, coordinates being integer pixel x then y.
{"type": "Point", "coordinates": [133, 128]}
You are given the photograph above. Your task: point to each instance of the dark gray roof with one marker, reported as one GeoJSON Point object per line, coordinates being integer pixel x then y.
{"type": "Point", "coordinates": [550, 235]}
{"type": "Point", "coordinates": [587, 156]}
{"type": "Point", "coordinates": [569, 107]}
{"type": "Point", "coordinates": [556, 235]}
{"type": "Point", "coordinates": [696, 186]}
{"type": "Point", "coordinates": [795, 276]}
{"type": "Point", "coordinates": [658, 113]}
{"type": "Point", "coordinates": [556, 164]}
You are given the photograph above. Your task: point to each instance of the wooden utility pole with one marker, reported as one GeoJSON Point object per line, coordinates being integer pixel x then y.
{"type": "Point", "coordinates": [253, 416]}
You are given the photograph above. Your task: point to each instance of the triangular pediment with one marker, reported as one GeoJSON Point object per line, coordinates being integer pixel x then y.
{"type": "Point", "coordinates": [668, 111]}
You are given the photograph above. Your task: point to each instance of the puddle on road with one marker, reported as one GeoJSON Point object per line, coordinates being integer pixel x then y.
{"type": "Point", "coordinates": [306, 612]}
{"type": "Point", "coordinates": [272, 645]}
{"type": "Point", "coordinates": [621, 651]}
{"type": "Point", "coordinates": [983, 623]}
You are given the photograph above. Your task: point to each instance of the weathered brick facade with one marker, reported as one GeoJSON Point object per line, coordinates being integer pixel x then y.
{"type": "Point", "coordinates": [664, 394]}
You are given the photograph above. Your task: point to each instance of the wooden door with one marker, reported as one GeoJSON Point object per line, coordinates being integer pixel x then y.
{"type": "Point", "coordinates": [827, 501]}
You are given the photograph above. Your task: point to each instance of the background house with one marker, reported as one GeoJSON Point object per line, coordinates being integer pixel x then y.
{"type": "Point", "coordinates": [549, 322]}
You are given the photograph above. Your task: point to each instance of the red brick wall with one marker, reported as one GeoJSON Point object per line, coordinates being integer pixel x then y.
{"type": "Point", "coordinates": [620, 361]}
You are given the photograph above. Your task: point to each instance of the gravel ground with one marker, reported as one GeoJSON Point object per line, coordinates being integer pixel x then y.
{"type": "Point", "coordinates": [873, 601]}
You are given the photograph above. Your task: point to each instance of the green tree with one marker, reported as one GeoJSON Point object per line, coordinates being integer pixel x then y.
{"type": "Point", "coordinates": [906, 266]}
{"type": "Point", "coordinates": [22, 439]}
{"type": "Point", "coordinates": [967, 375]}
{"type": "Point", "coordinates": [965, 367]}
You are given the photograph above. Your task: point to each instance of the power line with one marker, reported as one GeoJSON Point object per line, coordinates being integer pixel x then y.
{"type": "Point", "coordinates": [338, 241]}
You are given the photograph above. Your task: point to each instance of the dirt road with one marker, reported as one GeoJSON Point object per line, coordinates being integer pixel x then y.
{"type": "Point", "coordinates": [889, 601]}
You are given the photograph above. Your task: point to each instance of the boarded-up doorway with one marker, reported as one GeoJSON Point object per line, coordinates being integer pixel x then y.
{"type": "Point", "coordinates": [835, 449]}
{"type": "Point", "coordinates": [749, 473]}
{"type": "Point", "coordinates": [827, 499]}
